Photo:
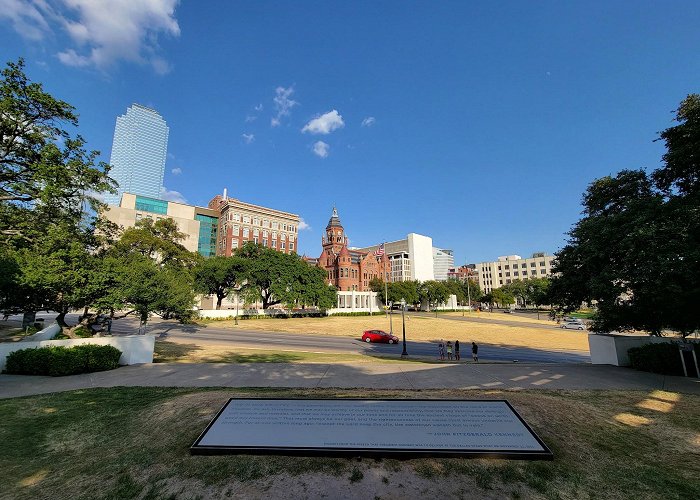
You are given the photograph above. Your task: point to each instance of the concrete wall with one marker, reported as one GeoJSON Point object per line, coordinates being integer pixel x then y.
{"type": "Point", "coordinates": [420, 251]}
{"type": "Point", "coordinates": [612, 349]}
{"type": "Point", "coordinates": [135, 349]}
{"type": "Point", "coordinates": [46, 334]}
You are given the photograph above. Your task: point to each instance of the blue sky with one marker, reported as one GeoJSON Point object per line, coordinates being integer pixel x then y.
{"type": "Point", "coordinates": [483, 122]}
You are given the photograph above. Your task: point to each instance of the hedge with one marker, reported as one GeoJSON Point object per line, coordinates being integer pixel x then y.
{"type": "Point", "coordinates": [659, 358]}
{"type": "Point", "coordinates": [57, 361]}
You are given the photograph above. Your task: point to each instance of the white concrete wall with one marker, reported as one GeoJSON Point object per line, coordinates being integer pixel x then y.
{"type": "Point", "coordinates": [46, 334]}
{"type": "Point", "coordinates": [352, 301]}
{"type": "Point", "coordinates": [135, 348]}
{"type": "Point", "coordinates": [420, 251]}
{"type": "Point", "coordinates": [612, 349]}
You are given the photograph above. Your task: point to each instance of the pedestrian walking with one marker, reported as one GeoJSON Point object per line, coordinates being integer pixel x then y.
{"type": "Point", "coordinates": [449, 351]}
{"type": "Point", "coordinates": [457, 350]}
{"type": "Point", "coordinates": [475, 352]}
{"type": "Point", "coordinates": [441, 350]}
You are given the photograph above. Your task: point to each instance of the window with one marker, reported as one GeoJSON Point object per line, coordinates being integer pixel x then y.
{"type": "Point", "coordinates": [275, 225]}
{"type": "Point", "coordinates": [499, 268]}
{"type": "Point", "coordinates": [246, 219]}
{"type": "Point", "coordinates": [255, 240]}
{"type": "Point", "coordinates": [266, 223]}
{"type": "Point", "coordinates": [256, 232]}
{"type": "Point", "coordinates": [291, 246]}
{"type": "Point", "coordinates": [237, 217]}
{"type": "Point", "coordinates": [508, 274]}
{"type": "Point", "coordinates": [256, 221]}
{"type": "Point", "coordinates": [515, 273]}
{"type": "Point", "coordinates": [139, 216]}
{"type": "Point", "coordinates": [234, 244]}
{"type": "Point", "coordinates": [543, 271]}
{"type": "Point", "coordinates": [274, 243]}
{"type": "Point", "coordinates": [523, 265]}
{"type": "Point", "coordinates": [274, 235]}
{"type": "Point", "coordinates": [246, 232]}
{"type": "Point", "coordinates": [542, 263]}
{"type": "Point", "coordinates": [507, 281]}
{"type": "Point", "coordinates": [236, 230]}
{"type": "Point", "coordinates": [264, 234]}
{"type": "Point", "coordinates": [284, 226]}
{"type": "Point", "coordinates": [282, 245]}
{"type": "Point", "coordinates": [500, 282]}
{"type": "Point", "coordinates": [264, 242]}
{"type": "Point", "coordinates": [150, 205]}
{"type": "Point", "coordinates": [532, 264]}
{"type": "Point", "coordinates": [291, 237]}
{"type": "Point", "coordinates": [507, 266]}
{"type": "Point", "coordinates": [533, 272]}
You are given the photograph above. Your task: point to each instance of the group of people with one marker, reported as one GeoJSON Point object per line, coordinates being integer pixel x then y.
{"type": "Point", "coordinates": [448, 349]}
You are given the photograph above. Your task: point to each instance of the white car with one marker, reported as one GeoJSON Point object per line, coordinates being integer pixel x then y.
{"type": "Point", "coordinates": [573, 325]}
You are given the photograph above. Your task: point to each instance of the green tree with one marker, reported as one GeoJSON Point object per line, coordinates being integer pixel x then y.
{"type": "Point", "coordinates": [475, 293]}
{"type": "Point", "coordinates": [502, 297]}
{"type": "Point", "coordinates": [46, 176]}
{"type": "Point", "coordinates": [538, 292]}
{"type": "Point", "coordinates": [434, 293]}
{"type": "Point", "coordinates": [635, 252]}
{"type": "Point", "coordinates": [219, 276]}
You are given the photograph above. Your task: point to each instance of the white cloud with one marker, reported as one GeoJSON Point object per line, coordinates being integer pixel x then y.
{"type": "Point", "coordinates": [103, 31]}
{"type": "Point", "coordinates": [248, 138]}
{"type": "Point", "coordinates": [282, 104]}
{"type": "Point", "coordinates": [250, 118]}
{"type": "Point", "coordinates": [175, 196]}
{"type": "Point", "coordinates": [28, 18]}
{"type": "Point", "coordinates": [324, 124]}
{"type": "Point", "coordinates": [320, 149]}
{"type": "Point", "coordinates": [303, 226]}
{"type": "Point", "coordinates": [259, 107]}
{"type": "Point", "coordinates": [176, 171]}
{"type": "Point", "coordinates": [368, 122]}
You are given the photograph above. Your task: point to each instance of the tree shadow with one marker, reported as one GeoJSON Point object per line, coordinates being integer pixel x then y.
{"type": "Point", "coordinates": [167, 352]}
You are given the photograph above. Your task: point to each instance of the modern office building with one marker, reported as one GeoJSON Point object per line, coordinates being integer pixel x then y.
{"type": "Point", "coordinates": [199, 224]}
{"type": "Point", "coordinates": [509, 268]}
{"type": "Point", "coordinates": [408, 259]}
{"type": "Point", "coordinates": [139, 150]}
{"type": "Point", "coordinates": [240, 222]}
{"type": "Point", "coordinates": [443, 261]}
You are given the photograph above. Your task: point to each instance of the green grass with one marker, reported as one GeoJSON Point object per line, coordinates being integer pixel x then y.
{"type": "Point", "coordinates": [134, 443]}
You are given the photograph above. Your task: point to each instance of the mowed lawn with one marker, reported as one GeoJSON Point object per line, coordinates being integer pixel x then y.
{"type": "Point", "coordinates": [426, 328]}
{"type": "Point", "coordinates": [122, 443]}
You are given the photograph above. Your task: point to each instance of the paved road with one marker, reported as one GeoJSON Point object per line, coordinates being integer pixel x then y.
{"type": "Point", "coordinates": [251, 339]}
{"type": "Point", "coordinates": [496, 317]}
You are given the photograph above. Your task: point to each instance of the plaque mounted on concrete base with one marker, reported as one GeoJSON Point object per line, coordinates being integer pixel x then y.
{"type": "Point", "coordinates": [394, 428]}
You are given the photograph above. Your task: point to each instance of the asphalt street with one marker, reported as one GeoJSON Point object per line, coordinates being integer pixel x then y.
{"type": "Point", "coordinates": [251, 339]}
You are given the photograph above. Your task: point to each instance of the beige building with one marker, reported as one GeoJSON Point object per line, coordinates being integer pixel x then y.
{"type": "Point", "coordinates": [240, 222]}
{"type": "Point", "coordinates": [199, 224]}
{"type": "Point", "coordinates": [509, 268]}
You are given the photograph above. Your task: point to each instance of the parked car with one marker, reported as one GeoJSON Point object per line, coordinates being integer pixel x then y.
{"type": "Point", "coordinates": [571, 319]}
{"type": "Point", "coordinates": [379, 336]}
{"type": "Point", "coordinates": [573, 325]}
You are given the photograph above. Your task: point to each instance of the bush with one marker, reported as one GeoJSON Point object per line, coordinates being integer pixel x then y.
{"type": "Point", "coordinates": [659, 358]}
{"type": "Point", "coordinates": [58, 360]}
{"type": "Point", "coordinates": [360, 313]}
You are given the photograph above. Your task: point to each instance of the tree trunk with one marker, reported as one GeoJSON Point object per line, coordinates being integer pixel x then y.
{"type": "Point", "coordinates": [61, 320]}
{"type": "Point", "coordinates": [219, 299]}
{"type": "Point", "coordinates": [28, 319]}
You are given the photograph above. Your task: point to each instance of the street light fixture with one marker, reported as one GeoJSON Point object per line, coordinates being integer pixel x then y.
{"type": "Point", "coordinates": [403, 323]}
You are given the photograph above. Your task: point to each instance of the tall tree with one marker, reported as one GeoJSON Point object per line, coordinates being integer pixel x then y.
{"type": "Point", "coordinates": [434, 293]}
{"type": "Point", "coordinates": [636, 251]}
{"type": "Point", "coordinates": [46, 175]}
{"type": "Point", "coordinates": [219, 276]}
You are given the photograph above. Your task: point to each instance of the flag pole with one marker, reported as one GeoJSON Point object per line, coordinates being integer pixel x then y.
{"type": "Point", "coordinates": [386, 293]}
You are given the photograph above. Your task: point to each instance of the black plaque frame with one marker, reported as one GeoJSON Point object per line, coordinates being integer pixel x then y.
{"type": "Point", "coordinates": [397, 453]}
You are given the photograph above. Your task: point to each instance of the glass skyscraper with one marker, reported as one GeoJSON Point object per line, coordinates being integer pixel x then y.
{"type": "Point", "coordinates": [138, 156]}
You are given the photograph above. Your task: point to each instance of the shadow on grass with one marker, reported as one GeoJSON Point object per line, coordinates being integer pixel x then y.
{"type": "Point", "coordinates": [166, 352]}
{"type": "Point", "coordinates": [275, 357]}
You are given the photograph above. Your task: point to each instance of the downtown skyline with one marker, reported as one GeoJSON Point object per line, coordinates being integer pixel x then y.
{"type": "Point", "coordinates": [479, 126]}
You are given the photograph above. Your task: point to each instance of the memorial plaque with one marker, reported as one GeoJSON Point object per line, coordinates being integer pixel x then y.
{"type": "Point", "coordinates": [370, 427]}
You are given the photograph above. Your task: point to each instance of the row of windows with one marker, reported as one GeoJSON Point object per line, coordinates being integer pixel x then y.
{"type": "Point", "coordinates": [264, 242]}
{"type": "Point", "coordinates": [256, 221]}
{"type": "Point", "coordinates": [256, 232]}
{"type": "Point", "coordinates": [523, 265]}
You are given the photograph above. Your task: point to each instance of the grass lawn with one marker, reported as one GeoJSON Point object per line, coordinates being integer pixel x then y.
{"type": "Point", "coordinates": [427, 329]}
{"type": "Point", "coordinates": [133, 443]}
{"type": "Point", "coordinates": [204, 352]}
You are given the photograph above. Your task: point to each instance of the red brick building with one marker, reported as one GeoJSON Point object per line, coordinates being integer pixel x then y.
{"type": "Point", "coordinates": [348, 269]}
{"type": "Point", "coordinates": [240, 222]}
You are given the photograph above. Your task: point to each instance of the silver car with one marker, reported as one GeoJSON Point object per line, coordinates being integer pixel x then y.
{"type": "Point", "coordinates": [574, 325]}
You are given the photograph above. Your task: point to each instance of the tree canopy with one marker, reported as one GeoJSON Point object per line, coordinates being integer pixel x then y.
{"type": "Point", "coordinates": [636, 251]}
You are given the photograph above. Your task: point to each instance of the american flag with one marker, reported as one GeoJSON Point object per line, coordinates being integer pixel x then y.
{"type": "Point", "coordinates": [380, 251]}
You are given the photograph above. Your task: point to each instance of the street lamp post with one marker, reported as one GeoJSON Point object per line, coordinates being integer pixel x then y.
{"type": "Point", "coordinates": [403, 323]}
{"type": "Point", "coordinates": [236, 320]}
{"type": "Point", "coordinates": [391, 323]}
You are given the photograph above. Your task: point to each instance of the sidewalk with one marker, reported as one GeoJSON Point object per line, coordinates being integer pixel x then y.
{"type": "Point", "coordinates": [347, 375]}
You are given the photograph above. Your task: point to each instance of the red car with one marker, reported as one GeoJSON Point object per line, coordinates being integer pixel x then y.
{"type": "Point", "coordinates": [379, 336]}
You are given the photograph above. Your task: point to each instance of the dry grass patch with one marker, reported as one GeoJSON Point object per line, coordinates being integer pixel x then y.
{"type": "Point", "coordinates": [426, 329]}
{"type": "Point", "coordinates": [133, 443]}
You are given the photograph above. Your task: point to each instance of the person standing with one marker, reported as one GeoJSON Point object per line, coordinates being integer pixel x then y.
{"type": "Point", "coordinates": [456, 350]}
{"type": "Point", "coordinates": [475, 352]}
{"type": "Point", "coordinates": [449, 350]}
{"type": "Point", "coordinates": [441, 350]}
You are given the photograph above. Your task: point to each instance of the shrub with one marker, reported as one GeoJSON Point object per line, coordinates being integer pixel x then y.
{"type": "Point", "coordinates": [657, 358]}
{"type": "Point", "coordinates": [360, 313]}
{"type": "Point", "coordinates": [58, 360]}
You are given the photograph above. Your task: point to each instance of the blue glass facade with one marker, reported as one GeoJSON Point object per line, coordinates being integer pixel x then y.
{"type": "Point", "coordinates": [207, 234]}
{"type": "Point", "coordinates": [139, 151]}
{"type": "Point", "coordinates": [150, 205]}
